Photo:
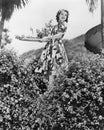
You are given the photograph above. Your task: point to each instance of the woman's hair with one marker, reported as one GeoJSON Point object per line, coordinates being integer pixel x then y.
{"type": "Point", "coordinates": [59, 12]}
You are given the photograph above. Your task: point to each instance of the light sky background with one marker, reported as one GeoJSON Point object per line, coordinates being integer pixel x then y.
{"type": "Point", "coordinates": [39, 12]}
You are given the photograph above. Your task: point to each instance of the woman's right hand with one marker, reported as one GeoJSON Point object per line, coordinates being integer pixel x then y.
{"type": "Point", "coordinates": [45, 39]}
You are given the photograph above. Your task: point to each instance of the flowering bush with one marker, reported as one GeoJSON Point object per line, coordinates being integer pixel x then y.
{"type": "Point", "coordinates": [76, 101]}
{"type": "Point", "coordinates": [5, 38]}
{"type": "Point", "coordinates": [18, 93]}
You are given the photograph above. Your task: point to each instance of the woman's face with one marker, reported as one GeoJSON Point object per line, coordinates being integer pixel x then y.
{"type": "Point", "coordinates": [63, 16]}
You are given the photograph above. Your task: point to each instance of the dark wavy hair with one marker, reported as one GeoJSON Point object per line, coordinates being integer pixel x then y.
{"type": "Point", "coordinates": [59, 12]}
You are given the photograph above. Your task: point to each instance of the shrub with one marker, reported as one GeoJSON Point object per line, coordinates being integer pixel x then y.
{"type": "Point", "coordinates": [77, 100]}
{"type": "Point", "coordinates": [19, 94]}
{"type": "Point", "coordinates": [8, 65]}
{"type": "Point", "coordinates": [5, 38]}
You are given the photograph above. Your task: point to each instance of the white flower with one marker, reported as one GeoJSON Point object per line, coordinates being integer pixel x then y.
{"type": "Point", "coordinates": [65, 95]}
{"type": "Point", "coordinates": [100, 117]}
{"type": "Point", "coordinates": [100, 99]}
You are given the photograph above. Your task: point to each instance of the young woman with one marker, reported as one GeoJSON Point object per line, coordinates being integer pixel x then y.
{"type": "Point", "coordinates": [53, 57]}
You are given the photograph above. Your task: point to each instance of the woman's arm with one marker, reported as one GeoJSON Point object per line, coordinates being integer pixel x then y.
{"type": "Point", "coordinates": [44, 39]}
{"type": "Point", "coordinates": [24, 38]}
{"type": "Point", "coordinates": [58, 35]}
{"type": "Point", "coordinates": [53, 37]}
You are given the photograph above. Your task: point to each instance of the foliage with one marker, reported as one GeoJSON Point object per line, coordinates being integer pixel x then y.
{"type": "Point", "coordinates": [5, 38]}
{"type": "Point", "coordinates": [46, 30]}
{"type": "Point", "coordinates": [18, 93]}
{"type": "Point", "coordinates": [8, 7]}
{"type": "Point", "coordinates": [75, 102]}
{"type": "Point", "coordinates": [92, 4]}
{"type": "Point", "coordinates": [32, 54]}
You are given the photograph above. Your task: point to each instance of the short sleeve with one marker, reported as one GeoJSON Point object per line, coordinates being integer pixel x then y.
{"type": "Point", "coordinates": [63, 28]}
{"type": "Point", "coordinates": [54, 30]}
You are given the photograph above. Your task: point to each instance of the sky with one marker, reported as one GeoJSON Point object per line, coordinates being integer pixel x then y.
{"type": "Point", "coordinates": [39, 12]}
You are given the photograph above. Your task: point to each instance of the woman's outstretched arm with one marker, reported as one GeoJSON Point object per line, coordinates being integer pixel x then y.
{"type": "Point", "coordinates": [53, 37]}
{"type": "Point", "coordinates": [26, 38]}
{"type": "Point", "coordinates": [44, 39]}
{"type": "Point", "coordinates": [58, 35]}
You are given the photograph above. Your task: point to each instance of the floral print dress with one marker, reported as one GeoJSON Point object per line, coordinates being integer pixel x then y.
{"type": "Point", "coordinates": [54, 56]}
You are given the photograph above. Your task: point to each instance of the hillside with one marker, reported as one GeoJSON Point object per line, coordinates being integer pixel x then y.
{"type": "Point", "coordinates": [71, 46]}
{"type": "Point", "coordinates": [31, 54]}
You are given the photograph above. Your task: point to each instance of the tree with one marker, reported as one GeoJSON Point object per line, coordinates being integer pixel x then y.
{"type": "Point", "coordinates": [5, 38]}
{"type": "Point", "coordinates": [92, 6]}
{"type": "Point", "coordinates": [7, 8]}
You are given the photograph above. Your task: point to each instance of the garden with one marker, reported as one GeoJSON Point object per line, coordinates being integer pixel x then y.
{"type": "Point", "coordinates": [27, 102]}
{"type": "Point", "coordinates": [75, 102]}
